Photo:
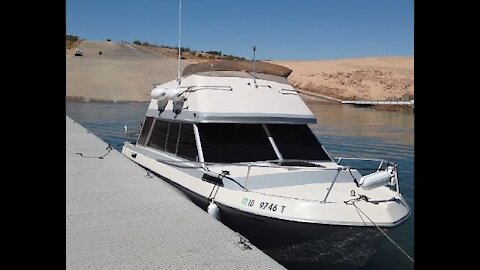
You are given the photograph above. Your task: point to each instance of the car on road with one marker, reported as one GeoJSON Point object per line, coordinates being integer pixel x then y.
{"type": "Point", "coordinates": [78, 52]}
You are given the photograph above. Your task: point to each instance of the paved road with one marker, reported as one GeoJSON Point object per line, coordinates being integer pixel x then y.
{"type": "Point", "coordinates": [121, 73]}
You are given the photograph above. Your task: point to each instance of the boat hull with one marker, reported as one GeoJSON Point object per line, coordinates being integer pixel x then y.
{"type": "Point", "coordinates": [297, 245]}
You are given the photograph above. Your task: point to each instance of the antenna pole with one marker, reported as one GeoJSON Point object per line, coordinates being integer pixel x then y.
{"type": "Point", "coordinates": [254, 71]}
{"type": "Point", "coordinates": [179, 48]}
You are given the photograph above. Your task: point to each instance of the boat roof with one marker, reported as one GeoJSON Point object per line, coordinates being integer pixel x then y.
{"type": "Point", "coordinates": [232, 97]}
{"type": "Point", "coordinates": [237, 65]}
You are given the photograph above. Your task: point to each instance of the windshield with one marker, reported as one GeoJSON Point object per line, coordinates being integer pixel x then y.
{"type": "Point", "coordinates": [235, 143]}
{"type": "Point", "coordinates": [297, 142]}
{"type": "Point", "coordinates": [250, 142]}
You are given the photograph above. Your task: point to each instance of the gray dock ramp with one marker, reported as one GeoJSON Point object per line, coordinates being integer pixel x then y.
{"type": "Point", "coordinates": [117, 218]}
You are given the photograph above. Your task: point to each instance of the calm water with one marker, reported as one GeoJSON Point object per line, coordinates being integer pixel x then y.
{"type": "Point", "coordinates": [344, 130]}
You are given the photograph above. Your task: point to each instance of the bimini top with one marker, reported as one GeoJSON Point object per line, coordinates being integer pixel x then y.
{"type": "Point", "coordinates": [230, 96]}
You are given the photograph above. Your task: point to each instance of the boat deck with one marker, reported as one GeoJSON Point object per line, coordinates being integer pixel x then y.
{"type": "Point", "coordinates": [117, 217]}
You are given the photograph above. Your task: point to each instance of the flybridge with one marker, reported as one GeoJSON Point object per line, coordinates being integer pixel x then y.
{"type": "Point", "coordinates": [229, 96]}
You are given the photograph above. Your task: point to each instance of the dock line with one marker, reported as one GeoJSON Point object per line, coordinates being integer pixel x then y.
{"type": "Point", "coordinates": [109, 148]}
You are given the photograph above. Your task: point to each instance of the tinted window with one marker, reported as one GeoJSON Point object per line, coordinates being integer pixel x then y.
{"type": "Point", "coordinates": [145, 129]}
{"type": "Point", "coordinates": [159, 134]}
{"type": "Point", "coordinates": [297, 142]}
{"type": "Point", "coordinates": [186, 145]}
{"type": "Point", "coordinates": [172, 137]}
{"type": "Point", "coordinates": [235, 143]}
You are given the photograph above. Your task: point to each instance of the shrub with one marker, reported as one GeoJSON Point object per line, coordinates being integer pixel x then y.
{"type": "Point", "coordinates": [71, 37]}
{"type": "Point", "coordinates": [137, 42]}
{"type": "Point", "coordinates": [215, 52]}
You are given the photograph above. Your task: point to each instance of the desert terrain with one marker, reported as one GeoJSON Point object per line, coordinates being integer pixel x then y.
{"type": "Point", "coordinates": [127, 72]}
{"type": "Point", "coordinates": [375, 78]}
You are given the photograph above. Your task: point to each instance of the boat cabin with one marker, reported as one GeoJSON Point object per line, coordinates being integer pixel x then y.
{"type": "Point", "coordinates": [228, 117]}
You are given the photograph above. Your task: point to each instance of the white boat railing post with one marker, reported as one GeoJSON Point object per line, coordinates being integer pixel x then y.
{"type": "Point", "coordinates": [395, 173]}
{"type": "Point", "coordinates": [199, 147]}
{"type": "Point", "coordinates": [272, 142]}
{"type": "Point", "coordinates": [380, 166]}
{"type": "Point", "coordinates": [246, 178]}
{"type": "Point", "coordinates": [141, 128]}
{"type": "Point", "coordinates": [331, 185]}
{"type": "Point", "coordinates": [147, 140]}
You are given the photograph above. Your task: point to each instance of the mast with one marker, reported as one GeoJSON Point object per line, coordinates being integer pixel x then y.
{"type": "Point", "coordinates": [179, 48]}
{"type": "Point", "coordinates": [254, 72]}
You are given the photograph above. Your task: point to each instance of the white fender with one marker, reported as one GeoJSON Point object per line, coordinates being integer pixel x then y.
{"type": "Point", "coordinates": [158, 93]}
{"type": "Point", "coordinates": [213, 210]}
{"type": "Point", "coordinates": [163, 95]}
{"type": "Point", "coordinates": [161, 104]}
{"type": "Point", "coordinates": [174, 94]}
{"type": "Point", "coordinates": [374, 180]}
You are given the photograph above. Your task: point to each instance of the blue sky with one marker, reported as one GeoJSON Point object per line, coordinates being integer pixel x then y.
{"type": "Point", "coordinates": [281, 29]}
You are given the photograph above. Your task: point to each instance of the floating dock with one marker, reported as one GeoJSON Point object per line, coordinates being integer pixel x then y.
{"type": "Point", "coordinates": [118, 217]}
{"type": "Point", "coordinates": [379, 102]}
{"type": "Point", "coordinates": [308, 93]}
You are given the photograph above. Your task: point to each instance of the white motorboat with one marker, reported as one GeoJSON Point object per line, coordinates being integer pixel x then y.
{"type": "Point", "coordinates": [240, 145]}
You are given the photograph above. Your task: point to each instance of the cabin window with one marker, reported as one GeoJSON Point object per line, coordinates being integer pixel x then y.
{"type": "Point", "coordinates": [172, 137]}
{"type": "Point", "coordinates": [159, 135]}
{"type": "Point", "coordinates": [187, 148]}
{"type": "Point", "coordinates": [145, 130]}
{"type": "Point", "coordinates": [297, 142]}
{"type": "Point", "coordinates": [235, 143]}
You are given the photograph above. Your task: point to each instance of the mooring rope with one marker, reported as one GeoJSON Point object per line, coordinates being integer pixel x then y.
{"type": "Point", "coordinates": [211, 192]}
{"type": "Point", "coordinates": [388, 237]}
{"type": "Point", "coordinates": [109, 148]}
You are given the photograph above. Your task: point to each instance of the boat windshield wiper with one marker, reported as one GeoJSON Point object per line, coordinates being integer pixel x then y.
{"type": "Point", "coordinates": [296, 163]}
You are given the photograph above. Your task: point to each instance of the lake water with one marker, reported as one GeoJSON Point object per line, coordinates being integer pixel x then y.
{"type": "Point", "coordinates": [344, 130]}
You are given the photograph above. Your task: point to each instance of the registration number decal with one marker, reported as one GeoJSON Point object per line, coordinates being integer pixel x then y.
{"type": "Point", "coordinates": [264, 205]}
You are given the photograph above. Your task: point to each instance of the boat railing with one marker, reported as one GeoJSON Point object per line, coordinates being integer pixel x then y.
{"type": "Point", "coordinates": [384, 165]}
{"type": "Point", "coordinates": [381, 161]}
{"type": "Point", "coordinates": [131, 136]}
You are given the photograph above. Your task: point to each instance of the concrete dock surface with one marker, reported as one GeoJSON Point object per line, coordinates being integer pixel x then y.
{"type": "Point", "coordinates": [117, 217]}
